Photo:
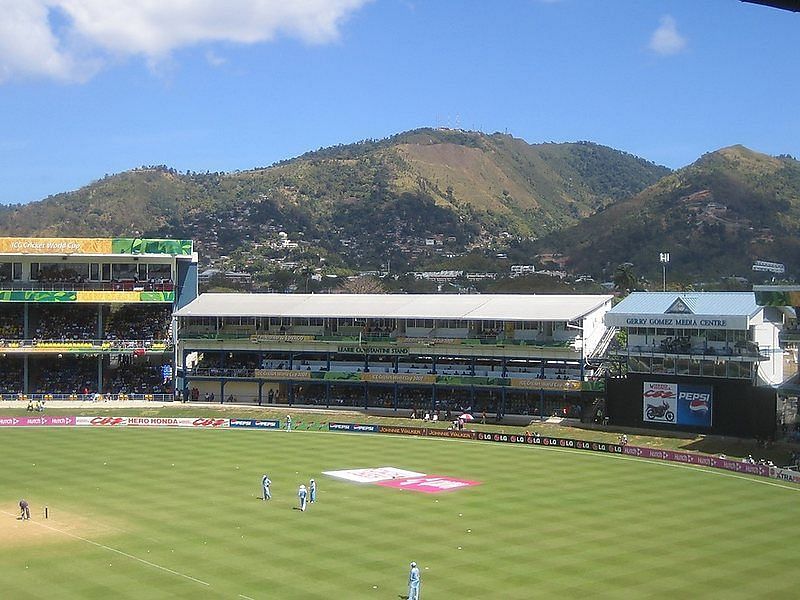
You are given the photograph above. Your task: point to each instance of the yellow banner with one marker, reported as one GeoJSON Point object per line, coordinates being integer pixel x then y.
{"type": "Point", "coordinates": [281, 374]}
{"type": "Point", "coordinates": [17, 245]}
{"type": "Point", "coordinates": [280, 338]}
{"type": "Point", "coordinates": [398, 378]}
{"type": "Point", "coordinates": [110, 296]}
{"type": "Point", "coordinates": [561, 385]}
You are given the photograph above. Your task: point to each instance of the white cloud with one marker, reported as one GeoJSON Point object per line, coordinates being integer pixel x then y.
{"type": "Point", "coordinates": [666, 39]}
{"type": "Point", "coordinates": [28, 44]}
{"type": "Point", "coordinates": [214, 59]}
{"type": "Point", "coordinates": [70, 39]}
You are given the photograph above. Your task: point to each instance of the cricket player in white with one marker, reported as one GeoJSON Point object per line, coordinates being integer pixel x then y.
{"type": "Point", "coordinates": [413, 582]}
{"type": "Point", "coordinates": [301, 494]}
{"type": "Point", "coordinates": [288, 422]}
{"type": "Point", "coordinates": [312, 491]}
{"type": "Point", "coordinates": [265, 483]}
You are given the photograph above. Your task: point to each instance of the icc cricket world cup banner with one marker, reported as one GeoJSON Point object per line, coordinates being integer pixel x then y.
{"type": "Point", "coordinates": [44, 245]}
{"type": "Point", "coordinates": [677, 404]}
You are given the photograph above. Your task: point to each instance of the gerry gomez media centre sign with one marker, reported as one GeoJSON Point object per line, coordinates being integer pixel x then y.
{"type": "Point", "coordinates": [677, 404]}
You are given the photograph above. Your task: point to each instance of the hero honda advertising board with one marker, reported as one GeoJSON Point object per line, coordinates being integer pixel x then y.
{"type": "Point", "coordinates": [677, 404]}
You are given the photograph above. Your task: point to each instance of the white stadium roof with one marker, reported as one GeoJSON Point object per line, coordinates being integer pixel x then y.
{"type": "Point", "coordinates": [508, 307]}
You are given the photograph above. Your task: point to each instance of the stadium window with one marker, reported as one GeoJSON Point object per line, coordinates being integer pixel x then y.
{"type": "Point", "coordinates": [94, 272]}
{"type": "Point", "coordinates": [639, 364]}
{"type": "Point", "coordinates": [106, 272]}
{"type": "Point", "coordinates": [159, 271]}
{"type": "Point", "coordinates": [35, 271]}
{"type": "Point", "coordinates": [123, 271]}
{"type": "Point", "coordinates": [721, 368]}
{"type": "Point", "coordinates": [5, 271]}
{"type": "Point", "coordinates": [16, 271]}
{"type": "Point", "coordinates": [682, 366]}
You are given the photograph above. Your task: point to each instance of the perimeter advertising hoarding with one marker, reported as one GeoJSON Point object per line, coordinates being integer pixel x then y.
{"type": "Point", "coordinates": [36, 421]}
{"type": "Point", "coordinates": [700, 460]}
{"type": "Point", "coordinates": [256, 423]}
{"type": "Point", "coordinates": [677, 404]}
{"type": "Point", "coordinates": [353, 427]}
{"type": "Point", "coordinates": [199, 422]}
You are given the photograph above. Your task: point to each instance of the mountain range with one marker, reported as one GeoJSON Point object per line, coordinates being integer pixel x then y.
{"type": "Point", "coordinates": [441, 198]}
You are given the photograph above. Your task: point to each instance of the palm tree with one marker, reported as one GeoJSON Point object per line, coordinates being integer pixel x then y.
{"type": "Point", "coordinates": [624, 278]}
{"type": "Point", "coordinates": [306, 271]}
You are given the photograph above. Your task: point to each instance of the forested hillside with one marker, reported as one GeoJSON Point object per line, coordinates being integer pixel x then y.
{"type": "Point", "coordinates": [416, 196]}
{"type": "Point", "coordinates": [715, 217]}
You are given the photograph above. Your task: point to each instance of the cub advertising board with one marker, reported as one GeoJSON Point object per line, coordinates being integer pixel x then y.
{"type": "Point", "coordinates": [677, 404]}
{"type": "Point", "coordinates": [659, 402]}
{"type": "Point", "coordinates": [198, 423]}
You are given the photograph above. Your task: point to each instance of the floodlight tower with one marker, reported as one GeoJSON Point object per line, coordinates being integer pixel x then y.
{"type": "Point", "coordinates": [663, 258]}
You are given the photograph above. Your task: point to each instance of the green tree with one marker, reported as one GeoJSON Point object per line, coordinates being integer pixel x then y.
{"type": "Point", "coordinates": [624, 278]}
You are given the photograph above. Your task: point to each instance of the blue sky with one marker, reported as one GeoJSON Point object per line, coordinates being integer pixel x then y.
{"type": "Point", "coordinates": [90, 87]}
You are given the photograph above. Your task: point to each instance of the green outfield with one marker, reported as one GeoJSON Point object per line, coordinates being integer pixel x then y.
{"type": "Point", "coordinates": [166, 513]}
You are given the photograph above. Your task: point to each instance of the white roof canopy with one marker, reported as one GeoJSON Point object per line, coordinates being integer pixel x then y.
{"type": "Point", "coordinates": [506, 307]}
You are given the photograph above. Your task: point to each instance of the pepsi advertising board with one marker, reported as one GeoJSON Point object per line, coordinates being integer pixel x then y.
{"type": "Point", "coordinates": [694, 405]}
{"type": "Point", "coordinates": [677, 404]}
{"type": "Point", "coordinates": [256, 423]}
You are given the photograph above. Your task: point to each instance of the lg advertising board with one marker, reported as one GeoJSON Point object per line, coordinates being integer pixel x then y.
{"type": "Point", "coordinates": [677, 404]}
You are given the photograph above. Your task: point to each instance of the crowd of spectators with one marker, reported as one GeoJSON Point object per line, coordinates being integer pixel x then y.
{"type": "Point", "coordinates": [10, 375]}
{"type": "Point", "coordinates": [340, 395]}
{"type": "Point", "coordinates": [75, 375]}
{"type": "Point", "coordinates": [11, 327]}
{"type": "Point", "coordinates": [132, 378]}
{"type": "Point", "coordinates": [79, 323]}
{"type": "Point", "coordinates": [69, 376]}
{"type": "Point", "coordinates": [76, 323]}
{"type": "Point", "coordinates": [138, 323]}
